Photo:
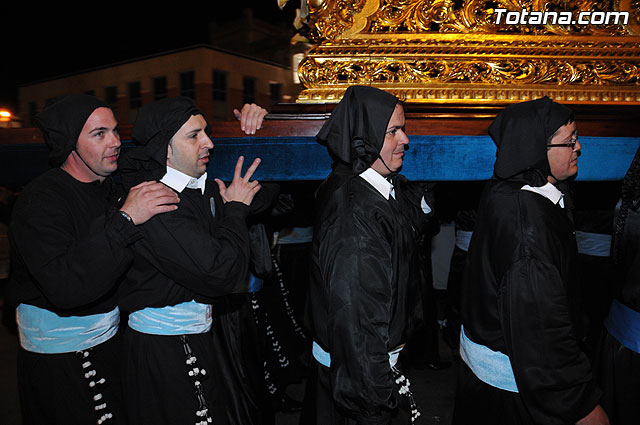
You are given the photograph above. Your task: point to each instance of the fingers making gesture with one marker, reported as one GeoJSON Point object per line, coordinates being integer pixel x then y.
{"type": "Point", "coordinates": [241, 189]}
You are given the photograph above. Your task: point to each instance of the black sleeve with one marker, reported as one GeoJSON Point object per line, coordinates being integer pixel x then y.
{"type": "Point", "coordinates": [356, 265]}
{"type": "Point", "coordinates": [552, 373]}
{"type": "Point", "coordinates": [180, 246]}
{"type": "Point", "coordinates": [418, 204]}
{"type": "Point", "coordinates": [265, 198]}
{"type": "Point", "coordinates": [70, 269]}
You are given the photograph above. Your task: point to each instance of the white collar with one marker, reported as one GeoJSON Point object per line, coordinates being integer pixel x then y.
{"type": "Point", "coordinates": [178, 181]}
{"type": "Point", "coordinates": [378, 182]}
{"type": "Point", "coordinates": [549, 191]}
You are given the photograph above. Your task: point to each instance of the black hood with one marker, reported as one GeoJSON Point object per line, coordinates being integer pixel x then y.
{"type": "Point", "coordinates": [61, 123]}
{"type": "Point", "coordinates": [354, 134]}
{"type": "Point", "coordinates": [155, 125]}
{"type": "Point", "coordinates": [520, 133]}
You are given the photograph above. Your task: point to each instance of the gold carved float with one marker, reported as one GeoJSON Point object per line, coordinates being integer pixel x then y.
{"type": "Point", "coordinates": [475, 51]}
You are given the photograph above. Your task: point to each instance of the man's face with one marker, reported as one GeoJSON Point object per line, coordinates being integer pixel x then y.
{"type": "Point", "coordinates": [563, 160]}
{"type": "Point", "coordinates": [99, 144]}
{"type": "Point", "coordinates": [395, 140]}
{"type": "Point", "coordinates": [188, 151]}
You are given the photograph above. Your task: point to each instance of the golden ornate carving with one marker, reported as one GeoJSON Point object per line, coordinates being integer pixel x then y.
{"type": "Point", "coordinates": [443, 50]}
{"type": "Point", "coordinates": [345, 19]}
{"type": "Point", "coordinates": [518, 71]}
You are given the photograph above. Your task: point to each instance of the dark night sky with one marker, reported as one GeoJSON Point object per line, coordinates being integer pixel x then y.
{"type": "Point", "coordinates": [39, 43]}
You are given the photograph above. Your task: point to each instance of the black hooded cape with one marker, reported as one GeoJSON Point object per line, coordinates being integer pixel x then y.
{"type": "Point", "coordinates": [69, 252]}
{"type": "Point", "coordinates": [618, 367]}
{"type": "Point", "coordinates": [365, 272]}
{"type": "Point", "coordinates": [520, 294]}
{"type": "Point", "coordinates": [201, 252]}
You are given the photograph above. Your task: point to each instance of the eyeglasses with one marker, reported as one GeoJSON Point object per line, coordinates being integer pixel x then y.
{"type": "Point", "coordinates": [570, 144]}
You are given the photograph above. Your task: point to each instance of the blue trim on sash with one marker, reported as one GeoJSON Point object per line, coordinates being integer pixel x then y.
{"type": "Point", "coordinates": [324, 358]}
{"type": "Point", "coordinates": [255, 283]}
{"type": "Point", "coordinates": [296, 235]}
{"type": "Point", "coordinates": [623, 323]}
{"type": "Point", "coordinates": [594, 244]}
{"type": "Point", "coordinates": [186, 318]}
{"type": "Point", "coordinates": [491, 367]}
{"type": "Point", "coordinates": [43, 331]}
{"type": "Point", "coordinates": [463, 239]}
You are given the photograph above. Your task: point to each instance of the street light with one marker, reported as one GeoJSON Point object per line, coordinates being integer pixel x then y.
{"type": "Point", "coordinates": [9, 120]}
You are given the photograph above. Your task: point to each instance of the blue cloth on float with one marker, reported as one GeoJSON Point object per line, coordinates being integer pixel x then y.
{"type": "Point", "coordinates": [324, 358]}
{"type": "Point", "coordinates": [491, 367]}
{"type": "Point", "coordinates": [185, 318]}
{"type": "Point", "coordinates": [43, 331]}
{"type": "Point", "coordinates": [623, 323]}
{"type": "Point", "coordinates": [594, 244]}
{"type": "Point", "coordinates": [463, 239]}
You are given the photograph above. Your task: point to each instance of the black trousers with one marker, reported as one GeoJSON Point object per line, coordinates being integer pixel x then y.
{"type": "Point", "coordinates": [480, 403]}
{"type": "Point", "coordinates": [617, 370]}
{"type": "Point", "coordinates": [53, 389]}
{"type": "Point", "coordinates": [157, 386]}
{"type": "Point", "coordinates": [319, 408]}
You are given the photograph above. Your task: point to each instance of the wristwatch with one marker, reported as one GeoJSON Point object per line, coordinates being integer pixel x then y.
{"type": "Point", "coordinates": [127, 216]}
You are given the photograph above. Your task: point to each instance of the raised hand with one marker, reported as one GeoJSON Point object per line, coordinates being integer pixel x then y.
{"type": "Point", "coordinates": [251, 117]}
{"type": "Point", "coordinates": [241, 189]}
{"type": "Point", "coordinates": [148, 199]}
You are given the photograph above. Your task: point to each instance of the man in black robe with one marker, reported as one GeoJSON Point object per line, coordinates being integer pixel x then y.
{"type": "Point", "coordinates": [366, 269]}
{"type": "Point", "coordinates": [521, 320]}
{"type": "Point", "coordinates": [70, 240]}
{"type": "Point", "coordinates": [186, 259]}
{"type": "Point", "coordinates": [618, 363]}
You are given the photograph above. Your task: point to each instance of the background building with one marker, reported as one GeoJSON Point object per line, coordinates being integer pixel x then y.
{"type": "Point", "coordinates": [217, 80]}
{"type": "Point", "coordinates": [246, 61]}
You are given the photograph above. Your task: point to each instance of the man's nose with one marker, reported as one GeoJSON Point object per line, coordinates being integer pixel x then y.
{"type": "Point", "coordinates": [115, 140]}
{"type": "Point", "coordinates": [208, 143]}
{"type": "Point", "coordinates": [404, 140]}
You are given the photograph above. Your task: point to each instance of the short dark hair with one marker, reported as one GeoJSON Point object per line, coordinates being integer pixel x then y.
{"type": "Point", "coordinates": [568, 121]}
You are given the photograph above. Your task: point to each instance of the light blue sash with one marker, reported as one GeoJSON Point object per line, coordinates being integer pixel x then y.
{"type": "Point", "coordinates": [42, 331]}
{"type": "Point", "coordinates": [296, 235]}
{"type": "Point", "coordinates": [491, 367]}
{"type": "Point", "coordinates": [623, 323]}
{"type": "Point", "coordinates": [463, 238]}
{"type": "Point", "coordinates": [255, 283]}
{"type": "Point", "coordinates": [324, 358]}
{"type": "Point", "coordinates": [185, 318]}
{"type": "Point", "coordinates": [594, 244]}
